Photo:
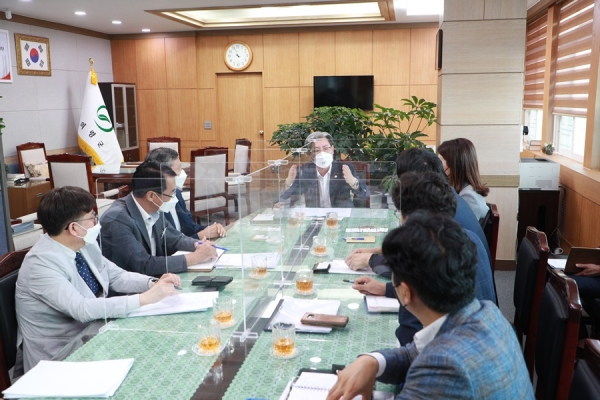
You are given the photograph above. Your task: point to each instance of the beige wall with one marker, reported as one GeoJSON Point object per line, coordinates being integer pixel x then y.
{"type": "Point", "coordinates": [177, 77]}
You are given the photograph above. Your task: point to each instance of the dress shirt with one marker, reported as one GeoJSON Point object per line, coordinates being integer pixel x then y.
{"type": "Point", "coordinates": [325, 201]}
{"type": "Point", "coordinates": [421, 339]}
{"type": "Point", "coordinates": [176, 222]}
{"type": "Point", "coordinates": [149, 220]}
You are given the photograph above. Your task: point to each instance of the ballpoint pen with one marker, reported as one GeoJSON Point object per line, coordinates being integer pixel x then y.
{"type": "Point", "coordinates": [354, 238]}
{"type": "Point", "coordinates": [177, 287]}
{"type": "Point", "coordinates": [215, 246]}
{"type": "Point", "coordinates": [348, 280]}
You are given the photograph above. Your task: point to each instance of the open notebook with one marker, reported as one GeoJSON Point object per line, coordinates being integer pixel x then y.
{"type": "Point", "coordinates": [315, 386]}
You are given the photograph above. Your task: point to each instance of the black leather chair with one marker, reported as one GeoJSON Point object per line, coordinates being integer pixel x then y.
{"type": "Point", "coordinates": [557, 335]}
{"type": "Point", "coordinates": [586, 378]}
{"type": "Point", "coordinates": [530, 277]}
{"type": "Point", "coordinates": [9, 271]}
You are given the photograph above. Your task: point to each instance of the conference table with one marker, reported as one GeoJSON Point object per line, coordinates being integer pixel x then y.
{"type": "Point", "coordinates": [165, 365]}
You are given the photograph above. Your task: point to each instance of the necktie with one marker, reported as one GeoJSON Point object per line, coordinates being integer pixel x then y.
{"type": "Point", "coordinates": [84, 270]}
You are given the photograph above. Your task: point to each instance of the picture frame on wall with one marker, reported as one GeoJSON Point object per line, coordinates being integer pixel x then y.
{"type": "Point", "coordinates": [33, 55]}
{"type": "Point", "coordinates": [5, 60]}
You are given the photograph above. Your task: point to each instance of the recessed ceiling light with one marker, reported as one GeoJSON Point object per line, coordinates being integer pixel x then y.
{"type": "Point", "coordinates": [79, 12]}
{"type": "Point", "coordinates": [116, 22]}
{"type": "Point", "coordinates": [145, 30]}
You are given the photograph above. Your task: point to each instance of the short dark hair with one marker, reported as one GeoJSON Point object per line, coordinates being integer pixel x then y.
{"type": "Point", "coordinates": [424, 191]}
{"type": "Point", "coordinates": [418, 160]}
{"type": "Point", "coordinates": [150, 177]}
{"type": "Point", "coordinates": [434, 256]}
{"type": "Point", "coordinates": [61, 206]}
{"type": "Point", "coordinates": [162, 155]}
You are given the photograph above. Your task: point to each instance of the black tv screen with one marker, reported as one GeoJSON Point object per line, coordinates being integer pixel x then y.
{"type": "Point", "coordinates": [346, 91]}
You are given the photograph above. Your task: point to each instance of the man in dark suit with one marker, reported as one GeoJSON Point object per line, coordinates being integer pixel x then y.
{"type": "Point", "coordinates": [136, 235]}
{"type": "Point", "coordinates": [180, 217]}
{"type": "Point", "coordinates": [324, 182]}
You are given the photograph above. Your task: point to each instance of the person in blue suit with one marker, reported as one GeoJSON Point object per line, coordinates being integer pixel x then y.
{"type": "Point", "coordinates": [180, 217]}
{"type": "Point", "coordinates": [466, 350]}
{"type": "Point", "coordinates": [431, 192]}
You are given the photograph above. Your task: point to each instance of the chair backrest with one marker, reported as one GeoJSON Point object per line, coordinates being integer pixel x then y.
{"type": "Point", "coordinates": [71, 170]}
{"type": "Point", "coordinates": [586, 378]}
{"type": "Point", "coordinates": [530, 277]}
{"type": "Point", "coordinates": [32, 154]}
{"type": "Point", "coordinates": [164, 141]}
{"type": "Point", "coordinates": [557, 336]}
{"type": "Point", "coordinates": [9, 271]}
{"type": "Point", "coordinates": [490, 225]}
{"type": "Point", "coordinates": [241, 159]}
{"type": "Point", "coordinates": [207, 177]}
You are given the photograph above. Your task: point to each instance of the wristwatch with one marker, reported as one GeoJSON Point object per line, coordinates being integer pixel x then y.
{"type": "Point", "coordinates": [151, 281]}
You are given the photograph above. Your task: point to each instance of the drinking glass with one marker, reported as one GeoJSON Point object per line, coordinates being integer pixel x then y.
{"type": "Point", "coordinates": [209, 339]}
{"type": "Point", "coordinates": [259, 266]}
{"type": "Point", "coordinates": [331, 220]}
{"type": "Point", "coordinates": [284, 340]}
{"type": "Point", "coordinates": [319, 246]}
{"type": "Point", "coordinates": [304, 282]}
{"type": "Point", "coordinates": [223, 311]}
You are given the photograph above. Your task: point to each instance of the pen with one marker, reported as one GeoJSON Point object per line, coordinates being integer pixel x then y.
{"type": "Point", "coordinates": [348, 280]}
{"type": "Point", "coordinates": [215, 246]}
{"type": "Point", "coordinates": [354, 238]}
{"type": "Point", "coordinates": [177, 287]}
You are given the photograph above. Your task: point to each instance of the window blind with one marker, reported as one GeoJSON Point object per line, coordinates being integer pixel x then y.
{"type": "Point", "coordinates": [535, 60]}
{"type": "Point", "coordinates": [573, 58]}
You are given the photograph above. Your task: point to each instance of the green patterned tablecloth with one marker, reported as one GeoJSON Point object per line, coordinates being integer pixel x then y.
{"type": "Point", "coordinates": [165, 366]}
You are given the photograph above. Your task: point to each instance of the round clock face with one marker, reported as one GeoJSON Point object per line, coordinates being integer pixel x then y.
{"type": "Point", "coordinates": [238, 56]}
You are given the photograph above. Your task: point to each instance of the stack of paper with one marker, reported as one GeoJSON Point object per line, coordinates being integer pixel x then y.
{"type": "Point", "coordinates": [206, 266]}
{"type": "Point", "coordinates": [340, 267]}
{"type": "Point", "coordinates": [237, 260]}
{"type": "Point", "coordinates": [381, 304]}
{"type": "Point", "coordinates": [71, 379]}
{"type": "Point", "coordinates": [557, 263]}
{"type": "Point", "coordinates": [182, 303]}
{"type": "Point", "coordinates": [292, 311]}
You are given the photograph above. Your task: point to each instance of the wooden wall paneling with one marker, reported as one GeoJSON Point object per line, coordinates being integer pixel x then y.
{"type": "Point", "coordinates": [583, 181]}
{"type": "Point", "coordinates": [150, 64]}
{"type": "Point", "coordinates": [307, 102]}
{"type": "Point", "coordinates": [463, 10]}
{"type": "Point", "coordinates": [277, 111]}
{"type": "Point", "coordinates": [429, 93]}
{"type": "Point", "coordinates": [123, 61]}
{"type": "Point", "coordinates": [207, 112]}
{"type": "Point", "coordinates": [497, 146]}
{"type": "Point", "coordinates": [256, 44]}
{"type": "Point", "coordinates": [354, 53]}
{"type": "Point", "coordinates": [391, 96]}
{"type": "Point", "coordinates": [505, 9]}
{"type": "Point", "coordinates": [494, 46]}
{"type": "Point", "coordinates": [209, 59]}
{"type": "Point", "coordinates": [422, 56]}
{"type": "Point", "coordinates": [316, 56]}
{"type": "Point", "coordinates": [573, 215]}
{"type": "Point", "coordinates": [481, 99]}
{"type": "Point", "coordinates": [184, 115]}
{"type": "Point", "coordinates": [181, 62]}
{"type": "Point", "coordinates": [153, 114]}
{"type": "Point", "coordinates": [507, 200]}
{"type": "Point", "coordinates": [391, 55]}
{"type": "Point", "coordinates": [281, 66]}
{"type": "Point", "coordinates": [590, 234]}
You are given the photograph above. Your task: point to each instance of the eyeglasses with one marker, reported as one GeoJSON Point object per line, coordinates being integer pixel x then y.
{"type": "Point", "coordinates": [94, 217]}
{"type": "Point", "coordinates": [170, 196]}
{"type": "Point", "coordinates": [397, 213]}
{"type": "Point", "coordinates": [318, 150]}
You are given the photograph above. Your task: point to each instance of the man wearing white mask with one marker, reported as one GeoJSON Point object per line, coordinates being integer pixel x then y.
{"type": "Point", "coordinates": [180, 217]}
{"type": "Point", "coordinates": [137, 238]}
{"type": "Point", "coordinates": [325, 182]}
{"type": "Point", "coordinates": [64, 280]}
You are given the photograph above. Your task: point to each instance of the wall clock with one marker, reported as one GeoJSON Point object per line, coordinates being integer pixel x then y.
{"type": "Point", "coordinates": [238, 56]}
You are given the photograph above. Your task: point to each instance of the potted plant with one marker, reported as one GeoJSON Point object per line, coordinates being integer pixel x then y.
{"type": "Point", "coordinates": [548, 148]}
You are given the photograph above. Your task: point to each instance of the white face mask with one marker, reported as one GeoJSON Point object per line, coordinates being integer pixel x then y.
{"type": "Point", "coordinates": [167, 206]}
{"type": "Point", "coordinates": [91, 234]}
{"type": "Point", "coordinates": [323, 159]}
{"type": "Point", "coordinates": [180, 179]}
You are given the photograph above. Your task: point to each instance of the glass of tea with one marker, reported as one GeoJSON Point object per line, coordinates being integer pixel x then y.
{"type": "Point", "coordinates": [331, 220]}
{"type": "Point", "coordinates": [284, 340]}
{"type": "Point", "coordinates": [259, 267]}
{"type": "Point", "coordinates": [319, 246]}
{"type": "Point", "coordinates": [209, 339]}
{"type": "Point", "coordinates": [304, 282]}
{"type": "Point", "coordinates": [295, 219]}
{"type": "Point", "coordinates": [223, 311]}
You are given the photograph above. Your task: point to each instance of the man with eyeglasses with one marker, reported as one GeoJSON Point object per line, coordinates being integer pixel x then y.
{"type": "Point", "coordinates": [325, 182]}
{"type": "Point", "coordinates": [64, 280]}
{"type": "Point", "coordinates": [136, 235]}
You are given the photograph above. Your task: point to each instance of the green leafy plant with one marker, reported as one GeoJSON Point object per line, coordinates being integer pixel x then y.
{"type": "Point", "coordinates": [290, 136]}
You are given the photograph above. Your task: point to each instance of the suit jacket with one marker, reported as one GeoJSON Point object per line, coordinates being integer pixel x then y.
{"type": "Point", "coordinates": [54, 304]}
{"type": "Point", "coordinates": [125, 240]}
{"type": "Point", "coordinates": [339, 191]}
{"type": "Point", "coordinates": [475, 355]}
{"type": "Point", "coordinates": [188, 226]}
{"type": "Point", "coordinates": [484, 290]}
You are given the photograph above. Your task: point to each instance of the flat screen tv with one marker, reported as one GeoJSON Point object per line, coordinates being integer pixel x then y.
{"type": "Point", "coordinates": [346, 91]}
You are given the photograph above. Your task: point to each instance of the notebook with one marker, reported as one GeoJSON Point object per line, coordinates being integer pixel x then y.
{"type": "Point", "coordinates": [581, 255]}
{"type": "Point", "coordinates": [206, 266]}
{"type": "Point", "coordinates": [381, 304]}
{"type": "Point", "coordinates": [316, 386]}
